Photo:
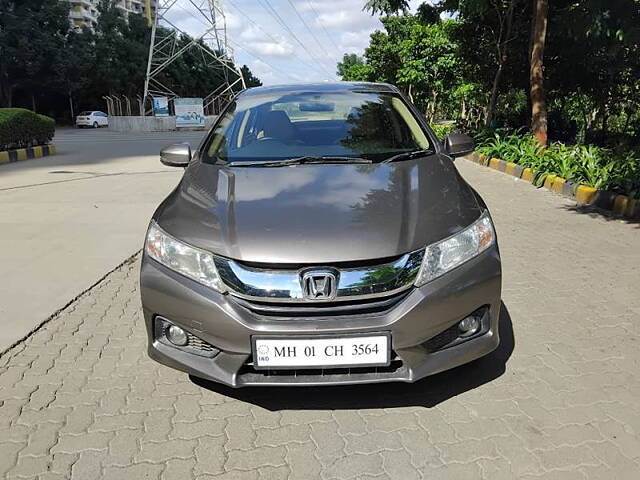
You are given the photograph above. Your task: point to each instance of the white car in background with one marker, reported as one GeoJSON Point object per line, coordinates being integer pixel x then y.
{"type": "Point", "coordinates": [93, 119]}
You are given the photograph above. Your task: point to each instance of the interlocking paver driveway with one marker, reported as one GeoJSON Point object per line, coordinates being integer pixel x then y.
{"type": "Point", "coordinates": [559, 399]}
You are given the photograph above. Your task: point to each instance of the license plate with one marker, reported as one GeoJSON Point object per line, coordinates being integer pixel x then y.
{"type": "Point", "coordinates": [320, 352]}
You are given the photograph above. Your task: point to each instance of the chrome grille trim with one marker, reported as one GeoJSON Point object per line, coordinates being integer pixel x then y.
{"type": "Point", "coordinates": [284, 285]}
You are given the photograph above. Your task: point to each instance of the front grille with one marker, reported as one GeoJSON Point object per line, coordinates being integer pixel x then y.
{"type": "Point", "coordinates": [280, 283]}
{"type": "Point", "coordinates": [395, 370]}
{"type": "Point", "coordinates": [317, 310]}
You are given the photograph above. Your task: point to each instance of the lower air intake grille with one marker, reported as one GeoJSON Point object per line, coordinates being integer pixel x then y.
{"type": "Point", "coordinates": [199, 344]}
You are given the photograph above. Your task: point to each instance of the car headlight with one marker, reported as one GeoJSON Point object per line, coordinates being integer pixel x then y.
{"type": "Point", "coordinates": [182, 258]}
{"type": "Point", "coordinates": [445, 255]}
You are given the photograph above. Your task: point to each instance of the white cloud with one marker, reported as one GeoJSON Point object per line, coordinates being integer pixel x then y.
{"type": "Point", "coordinates": [264, 72]}
{"type": "Point", "coordinates": [345, 19]}
{"type": "Point", "coordinates": [258, 34]}
{"type": "Point", "coordinates": [257, 42]}
{"type": "Point", "coordinates": [355, 42]}
{"type": "Point", "coordinates": [258, 66]}
{"type": "Point", "coordinates": [269, 48]}
{"type": "Point", "coordinates": [252, 34]}
{"type": "Point", "coordinates": [233, 21]}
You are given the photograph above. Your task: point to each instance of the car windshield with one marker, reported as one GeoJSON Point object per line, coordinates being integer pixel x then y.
{"type": "Point", "coordinates": [85, 114]}
{"type": "Point", "coordinates": [274, 127]}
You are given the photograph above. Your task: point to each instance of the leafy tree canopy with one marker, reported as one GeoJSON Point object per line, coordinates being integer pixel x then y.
{"type": "Point", "coordinates": [451, 67]}
{"type": "Point", "coordinates": [48, 66]}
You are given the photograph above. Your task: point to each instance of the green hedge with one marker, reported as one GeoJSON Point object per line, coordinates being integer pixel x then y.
{"type": "Point", "coordinates": [590, 165]}
{"type": "Point", "coordinates": [20, 128]}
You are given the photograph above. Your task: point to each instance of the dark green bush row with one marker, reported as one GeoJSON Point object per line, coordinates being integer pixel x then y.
{"type": "Point", "coordinates": [20, 128]}
{"type": "Point", "coordinates": [590, 165]}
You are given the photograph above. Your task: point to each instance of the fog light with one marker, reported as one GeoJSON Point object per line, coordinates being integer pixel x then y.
{"type": "Point", "coordinates": [468, 326]}
{"type": "Point", "coordinates": [177, 336]}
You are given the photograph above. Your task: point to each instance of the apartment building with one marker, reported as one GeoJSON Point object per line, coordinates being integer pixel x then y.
{"type": "Point", "coordinates": [85, 12]}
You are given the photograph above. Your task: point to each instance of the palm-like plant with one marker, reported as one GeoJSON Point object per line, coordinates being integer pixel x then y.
{"type": "Point", "coordinates": [385, 7]}
{"type": "Point", "coordinates": [595, 167]}
{"type": "Point", "coordinates": [588, 164]}
{"type": "Point", "coordinates": [626, 175]}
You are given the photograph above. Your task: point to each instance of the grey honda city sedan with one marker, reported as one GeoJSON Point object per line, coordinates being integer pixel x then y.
{"type": "Point", "coordinates": [321, 234]}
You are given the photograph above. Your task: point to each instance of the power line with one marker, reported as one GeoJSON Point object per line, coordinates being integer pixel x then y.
{"type": "Point", "coordinates": [310, 4]}
{"type": "Point", "coordinates": [304, 22]}
{"type": "Point", "coordinates": [276, 41]}
{"type": "Point", "coordinates": [278, 18]}
{"type": "Point", "coordinates": [262, 60]}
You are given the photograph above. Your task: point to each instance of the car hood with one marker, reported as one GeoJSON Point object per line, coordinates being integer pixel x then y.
{"type": "Point", "coordinates": [318, 214]}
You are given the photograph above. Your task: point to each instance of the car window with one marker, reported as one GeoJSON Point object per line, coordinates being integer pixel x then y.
{"type": "Point", "coordinates": [85, 114]}
{"type": "Point", "coordinates": [355, 124]}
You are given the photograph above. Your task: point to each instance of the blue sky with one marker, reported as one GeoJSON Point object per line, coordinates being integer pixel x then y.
{"type": "Point", "coordinates": [303, 44]}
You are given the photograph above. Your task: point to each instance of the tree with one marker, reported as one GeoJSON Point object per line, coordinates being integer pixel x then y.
{"type": "Point", "coordinates": [568, 70]}
{"type": "Point", "coordinates": [592, 69]}
{"type": "Point", "coordinates": [536, 75]}
{"type": "Point", "coordinates": [32, 38]}
{"type": "Point", "coordinates": [353, 68]}
{"type": "Point", "coordinates": [73, 69]}
{"type": "Point", "coordinates": [249, 78]}
{"type": "Point", "coordinates": [498, 18]}
{"type": "Point", "coordinates": [45, 63]}
{"type": "Point", "coordinates": [386, 6]}
{"type": "Point", "coordinates": [430, 69]}
{"type": "Point", "coordinates": [428, 13]}
{"type": "Point", "coordinates": [121, 50]}
{"type": "Point", "coordinates": [421, 58]}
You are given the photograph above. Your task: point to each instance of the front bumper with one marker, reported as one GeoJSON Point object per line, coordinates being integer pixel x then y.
{"type": "Point", "coordinates": [422, 315]}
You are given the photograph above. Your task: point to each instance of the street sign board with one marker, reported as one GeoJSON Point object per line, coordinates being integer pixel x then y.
{"type": "Point", "coordinates": [189, 112]}
{"type": "Point", "coordinates": [161, 106]}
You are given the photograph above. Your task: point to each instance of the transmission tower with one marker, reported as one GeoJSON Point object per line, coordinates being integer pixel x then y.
{"type": "Point", "coordinates": [211, 42]}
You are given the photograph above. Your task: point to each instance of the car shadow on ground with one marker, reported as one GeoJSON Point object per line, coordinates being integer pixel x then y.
{"type": "Point", "coordinates": [427, 392]}
{"type": "Point", "coordinates": [595, 212]}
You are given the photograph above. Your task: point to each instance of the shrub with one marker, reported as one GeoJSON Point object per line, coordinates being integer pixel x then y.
{"type": "Point", "coordinates": [594, 166]}
{"type": "Point", "coordinates": [20, 128]}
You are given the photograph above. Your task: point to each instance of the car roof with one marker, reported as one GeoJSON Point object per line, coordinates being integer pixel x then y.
{"type": "Point", "coordinates": [322, 87]}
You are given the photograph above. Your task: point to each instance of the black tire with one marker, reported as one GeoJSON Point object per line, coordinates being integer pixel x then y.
{"type": "Point", "coordinates": [95, 125]}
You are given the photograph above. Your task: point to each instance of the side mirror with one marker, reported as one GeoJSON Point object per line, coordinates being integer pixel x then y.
{"type": "Point", "coordinates": [176, 155]}
{"type": "Point", "coordinates": [458, 144]}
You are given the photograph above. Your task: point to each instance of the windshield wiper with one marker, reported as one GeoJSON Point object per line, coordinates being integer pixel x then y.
{"type": "Point", "coordinates": [298, 161]}
{"type": "Point", "coordinates": [408, 155]}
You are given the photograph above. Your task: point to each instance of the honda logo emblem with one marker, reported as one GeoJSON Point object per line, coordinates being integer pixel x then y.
{"type": "Point", "coordinates": [319, 285]}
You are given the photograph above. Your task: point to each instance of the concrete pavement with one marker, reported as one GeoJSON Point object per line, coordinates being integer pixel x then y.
{"type": "Point", "coordinates": [558, 399]}
{"type": "Point", "coordinates": [68, 219]}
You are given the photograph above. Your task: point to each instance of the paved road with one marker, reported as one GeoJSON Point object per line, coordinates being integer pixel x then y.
{"type": "Point", "coordinates": [68, 219]}
{"type": "Point", "coordinates": [558, 400]}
